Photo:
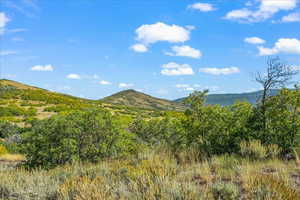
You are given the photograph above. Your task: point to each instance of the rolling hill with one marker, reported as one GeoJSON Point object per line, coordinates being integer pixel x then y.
{"type": "Point", "coordinates": [20, 103]}
{"type": "Point", "coordinates": [141, 100]}
{"type": "Point", "coordinates": [229, 99]}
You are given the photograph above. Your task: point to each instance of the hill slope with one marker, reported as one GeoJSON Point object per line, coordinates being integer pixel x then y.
{"type": "Point", "coordinates": [20, 103]}
{"type": "Point", "coordinates": [141, 100]}
{"type": "Point", "coordinates": [229, 99]}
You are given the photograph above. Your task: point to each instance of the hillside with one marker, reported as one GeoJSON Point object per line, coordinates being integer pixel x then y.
{"type": "Point", "coordinates": [20, 103]}
{"type": "Point", "coordinates": [229, 99]}
{"type": "Point", "coordinates": [141, 100]}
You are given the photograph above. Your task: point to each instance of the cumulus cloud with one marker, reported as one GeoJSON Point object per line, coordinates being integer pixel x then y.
{"type": "Point", "coordinates": [104, 82]}
{"type": "Point", "coordinates": [186, 51]}
{"type": "Point", "coordinates": [266, 9]}
{"type": "Point", "coordinates": [283, 45]}
{"type": "Point", "coordinates": [293, 17]}
{"type": "Point", "coordinates": [220, 71]}
{"type": "Point", "coordinates": [45, 68]}
{"type": "Point", "coordinates": [73, 76]}
{"type": "Point", "coordinates": [254, 40]}
{"type": "Point", "coordinates": [152, 33]}
{"type": "Point", "coordinates": [140, 48]}
{"type": "Point", "coordinates": [203, 7]}
{"type": "Point", "coordinates": [174, 69]}
{"type": "Point", "coordinates": [126, 85]}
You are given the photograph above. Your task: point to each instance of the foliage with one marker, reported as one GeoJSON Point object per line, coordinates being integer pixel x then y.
{"type": "Point", "coordinates": [77, 136]}
{"type": "Point", "coordinates": [8, 129]}
{"type": "Point", "coordinates": [3, 150]}
{"type": "Point", "coordinates": [225, 191]}
{"type": "Point", "coordinates": [167, 131]}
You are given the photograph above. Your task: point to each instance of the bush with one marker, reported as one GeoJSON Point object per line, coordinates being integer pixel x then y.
{"type": "Point", "coordinates": [8, 129]}
{"type": "Point", "coordinates": [87, 136]}
{"type": "Point", "coordinates": [168, 131]}
{"type": "Point", "coordinates": [225, 191]}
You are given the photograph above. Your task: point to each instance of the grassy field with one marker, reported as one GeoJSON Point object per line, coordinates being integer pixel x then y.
{"type": "Point", "coordinates": [157, 175]}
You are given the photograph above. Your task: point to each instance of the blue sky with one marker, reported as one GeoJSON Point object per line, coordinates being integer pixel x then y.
{"type": "Point", "coordinates": [93, 48]}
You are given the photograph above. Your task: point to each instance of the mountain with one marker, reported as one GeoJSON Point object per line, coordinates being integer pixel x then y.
{"type": "Point", "coordinates": [229, 99]}
{"type": "Point", "coordinates": [141, 100]}
{"type": "Point", "coordinates": [20, 103]}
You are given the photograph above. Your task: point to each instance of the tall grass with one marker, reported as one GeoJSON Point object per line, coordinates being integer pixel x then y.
{"type": "Point", "coordinates": [156, 175]}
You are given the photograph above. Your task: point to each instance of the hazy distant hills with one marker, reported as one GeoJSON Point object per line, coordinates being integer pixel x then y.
{"type": "Point", "coordinates": [139, 99]}
{"type": "Point", "coordinates": [229, 99]}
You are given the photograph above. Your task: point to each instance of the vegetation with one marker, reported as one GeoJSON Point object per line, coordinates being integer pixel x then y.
{"type": "Point", "coordinates": [91, 151]}
{"type": "Point", "coordinates": [141, 100]}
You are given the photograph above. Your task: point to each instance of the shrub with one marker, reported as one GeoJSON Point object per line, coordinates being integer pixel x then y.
{"type": "Point", "coordinates": [78, 136]}
{"type": "Point", "coordinates": [225, 191]}
{"type": "Point", "coordinates": [253, 150]}
{"type": "Point", "coordinates": [8, 129]}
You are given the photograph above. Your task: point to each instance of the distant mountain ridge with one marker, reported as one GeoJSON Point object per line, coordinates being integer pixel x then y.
{"type": "Point", "coordinates": [139, 99]}
{"type": "Point", "coordinates": [229, 99]}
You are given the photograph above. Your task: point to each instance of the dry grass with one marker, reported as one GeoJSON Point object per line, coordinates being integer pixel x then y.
{"type": "Point", "coordinates": [156, 175]}
{"type": "Point", "coordinates": [12, 158]}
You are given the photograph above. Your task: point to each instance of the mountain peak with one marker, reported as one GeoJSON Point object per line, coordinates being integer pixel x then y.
{"type": "Point", "coordinates": [138, 99]}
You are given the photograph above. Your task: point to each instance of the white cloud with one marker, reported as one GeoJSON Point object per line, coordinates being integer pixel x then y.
{"type": "Point", "coordinates": [73, 76]}
{"type": "Point", "coordinates": [220, 71]}
{"type": "Point", "coordinates": [267, 51]}
{"type": "Point", "coordinates": [293, 17]}
{"type": "Point", "coordinates": [254, 40]}
{"type": "Point", "coordinates": [140, 48]}
{"type": "Point", "coordinates": [152, 33]}
{"type": "Point", "coordinates": [3, 20]}
{"type": "Point", "coordinates": [7, 52]}
{"type": "Point", "coordinates": [174, 69]}
{"type": "Point", "coordinates": [283, 45]}
{"type": "Point", "coordinates": [266, 9]}
{"type": "Point", "coordinates": [125, 85]}
{"type": "Point", "coordinates": [238, 14]}
{"type": "Point", "coordinates": [104, 82]}
{"type": "Point", "coordinates": [295, 68]}
{"type": "Point", "coordinates": [42, 68]}
{"type": "Point", "coordinates": [186, 51]}
{"type": "Point", "coordinates": [203, 7]}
